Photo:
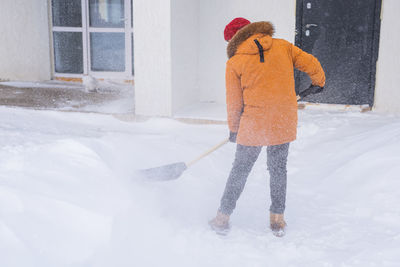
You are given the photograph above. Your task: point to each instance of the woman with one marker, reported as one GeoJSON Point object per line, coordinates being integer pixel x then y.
{"type": "Point", "coordinates": [262, 110]}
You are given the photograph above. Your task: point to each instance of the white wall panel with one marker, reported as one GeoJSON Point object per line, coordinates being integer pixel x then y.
{"type": "Point", "coordinates": [387, 92]}
{"type": "Point", "coordinates": [152, 37]}
{"type": "Point", "coordinates": [185, 52]}
{"type": "Point", "coordinates": [25, 46]}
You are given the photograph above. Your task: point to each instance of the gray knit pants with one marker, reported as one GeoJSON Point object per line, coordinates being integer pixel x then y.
{"type": "Point", "coordinates": [245, 158]}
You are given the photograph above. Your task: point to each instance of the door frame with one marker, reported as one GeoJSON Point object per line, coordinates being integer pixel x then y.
{"type": "Point", "coordinates": [85, 29]}
{"type": "Point", "coordinates": [375, 43]}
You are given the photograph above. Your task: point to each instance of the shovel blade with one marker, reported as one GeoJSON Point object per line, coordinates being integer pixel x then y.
{"type": "Point", "coordinates": [166, 172]}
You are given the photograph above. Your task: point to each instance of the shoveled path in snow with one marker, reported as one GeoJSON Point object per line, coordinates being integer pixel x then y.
{"type": "Point", "coordinates": [69, 195]}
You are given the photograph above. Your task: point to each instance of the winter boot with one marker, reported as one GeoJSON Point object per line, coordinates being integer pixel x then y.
{"type": "Point", "coordinates": [220, 224]}
{"type": "Point", "coordinates": [277, 224]}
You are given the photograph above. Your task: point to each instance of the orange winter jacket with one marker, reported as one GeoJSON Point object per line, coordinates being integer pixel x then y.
{"type": "Point", "coordinates": [260, 96]}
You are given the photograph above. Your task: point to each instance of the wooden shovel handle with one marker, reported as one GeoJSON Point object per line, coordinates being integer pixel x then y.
{"type": "Point", "coordinates": [207, 152]}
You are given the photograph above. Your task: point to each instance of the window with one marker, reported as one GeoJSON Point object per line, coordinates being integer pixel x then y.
{"type": "Point", "coordinates": [93, 37]}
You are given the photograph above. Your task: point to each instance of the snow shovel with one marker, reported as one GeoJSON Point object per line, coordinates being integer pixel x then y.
{"type": "Point", "coordinates": [175, 170]}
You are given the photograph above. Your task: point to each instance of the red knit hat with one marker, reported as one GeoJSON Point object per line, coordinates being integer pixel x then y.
{"type": "Point", "coordinates": [233, 27]}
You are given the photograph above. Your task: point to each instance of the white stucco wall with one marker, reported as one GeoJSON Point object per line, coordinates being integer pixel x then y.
{"type": "Point", "coordinates": [152, 35]}
{"type": "Point", "coordinates": [25, 45]}
{"type": "Point", "coordinates": [214, 15]}
{"type": "Point", "coordinates": [387, 91]}
{"type": "Point", "coordinates": [184, 45]}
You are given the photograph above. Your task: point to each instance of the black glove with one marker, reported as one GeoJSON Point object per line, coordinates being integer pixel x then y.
{"type": "Point", "coordinates": [232, 137]}
{"type": "Point", "coordinates": [313, 89]}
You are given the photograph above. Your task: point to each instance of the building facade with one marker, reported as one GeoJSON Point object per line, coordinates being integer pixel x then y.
{"type": "Point", "coordinates": [175, 53]}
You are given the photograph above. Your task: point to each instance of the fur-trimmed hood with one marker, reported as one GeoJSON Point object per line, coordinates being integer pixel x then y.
{"type": "Point", "coordinates": [262, 28]}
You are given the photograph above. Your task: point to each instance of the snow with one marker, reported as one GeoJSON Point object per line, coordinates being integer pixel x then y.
{"type": "Point", "coordinates": [70, 194]}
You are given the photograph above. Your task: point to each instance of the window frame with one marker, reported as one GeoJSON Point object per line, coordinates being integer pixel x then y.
{"type": "Point", "coordinates": [85, 29]}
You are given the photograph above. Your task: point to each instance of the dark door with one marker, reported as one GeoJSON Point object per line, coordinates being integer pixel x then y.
{"type": "Point", "coordinates": [344, 36]}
